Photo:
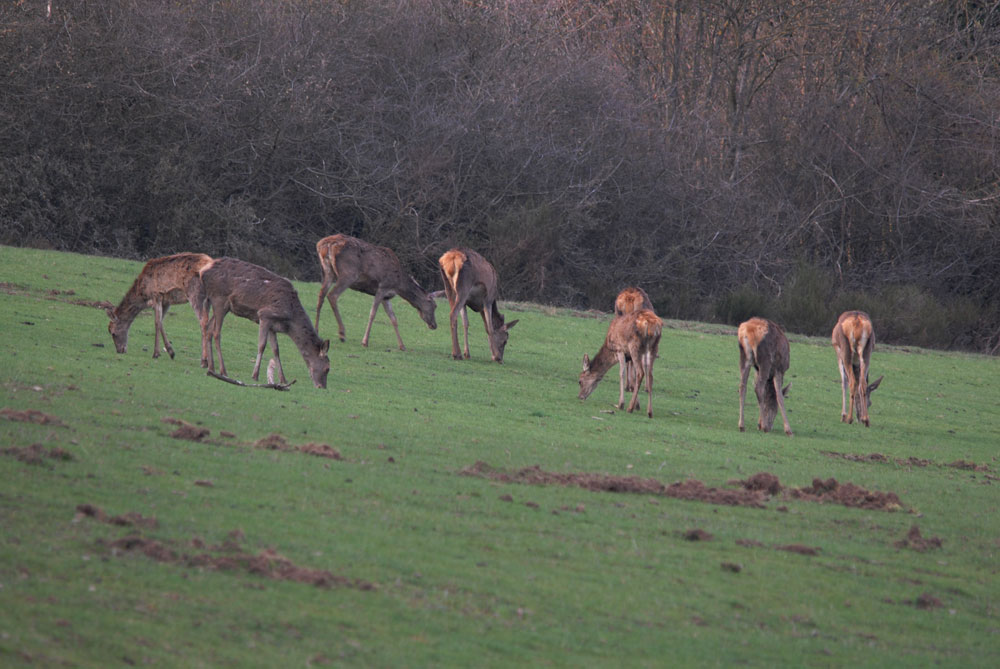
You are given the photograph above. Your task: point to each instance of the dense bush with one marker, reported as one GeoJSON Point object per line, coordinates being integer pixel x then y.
{"type": "Point", "coordinates": [696, 149]}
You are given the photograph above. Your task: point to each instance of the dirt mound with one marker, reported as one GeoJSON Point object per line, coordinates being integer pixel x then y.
{"type": "Point", "coordinates": [907, 462]}
{"type": "Point", "coordinates": [798, 548]}
{"type": "Point", "coordinates": [698, 534]}
{"type": "Point", "coordinates": [31, 416]}
{"type": "Point", "coordinates": [267, 563]}
{"type": "Point", "coordinates": [36, 454]}
{"type": "Point", "coordinates": [687, 490]}
{"type": "Point", "coordinates": [764, 481]}
{"type": "Point", "coordinates": [130, 519]}
{"type": "Point", "coordinates": [847, 494]}
{"type": "Point", "coordinates": [275, 442]}
{"type": "Point", "coordinates": [186, 430]}
{"type": "Point", "coordinates": [914, 540]}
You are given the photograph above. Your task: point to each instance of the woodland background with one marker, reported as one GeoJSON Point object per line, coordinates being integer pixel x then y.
{"type": "Point", "coordinates": [787, 158]}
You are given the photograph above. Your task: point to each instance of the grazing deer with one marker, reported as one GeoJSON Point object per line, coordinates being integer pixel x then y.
{"type": "Point", "coordinates": [853, 340]}
{"type": "Point", "coordinates": [252, 292]}
{"type": "Point", "coordinates": [631, 299]}
{"type": "Point", "coordinates": [470, 281]}
{"type": "Point", "coordinates": [636, 337]}
{"type": "Point", "coordinates": [161, 283]}
{"type": "Point", "coordinates": [375, 270]}
{"type": "Point", "coordinates": [764, 345]}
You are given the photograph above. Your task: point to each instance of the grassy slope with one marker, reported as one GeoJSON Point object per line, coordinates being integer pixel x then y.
{"type": "Point", "coordinates": [462, 575]}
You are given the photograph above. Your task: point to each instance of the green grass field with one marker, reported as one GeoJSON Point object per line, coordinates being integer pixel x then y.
{"type": "Point", "coordinates": [421, 565]}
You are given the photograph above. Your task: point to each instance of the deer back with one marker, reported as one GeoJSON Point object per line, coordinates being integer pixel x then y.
{"type": "Point", "coordinates": [765, 343]}
{"type": "Point", "coordinates": [853, 335]}
{"type": "Point", "coordinates": [247, 289]}
{"type": "Point", "coordinates": [469, 278]}
{"type": "Point", "coordinates": [632, 299]}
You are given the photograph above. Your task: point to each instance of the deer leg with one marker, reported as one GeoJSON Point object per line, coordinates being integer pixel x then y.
{"type": "Point", "coordinates": [217, 337]}
{"type": "Point", "coordinates": [272, 337]}
{"type": "Point", "coordinates": [371, 319]}
{"type": "Point", "coordinates": [163, 333]}
{"type": "Point", "coordinates": [780, 395]}
{"type": "Point", "coordinates": [332, 298]}
{"type": "Point", "coordinates": [622, 374]}
{"type": "Point", "coordinates": [197, 300]}
{"type": "Point", "coordinates": [157, 315]}
{"type": "Point", "coordinates": [263, 334]}
{"type": "Point", "coordinates": [633, 405]}
{"type": "Point", "coordinates": [843, 391]}
{"type": "Point", "coordinates": [648, 362]}
{"type": "Point", "coordinates": [488, 324]}
{"type": "Point", "coordinates": [744, 375]}
{"type": "Point", "coordinates": [324, 288]}
{"type": "Point", "coordinates": [453, 323]}
{"type": "Point", "coordinates": [862, 381]}
{"type": "Point", "coordinates": [852, 382]}
{"type": "Point", "coordinates": [387, 307]}
{"type": "Point", "coordinates": [465, 325]}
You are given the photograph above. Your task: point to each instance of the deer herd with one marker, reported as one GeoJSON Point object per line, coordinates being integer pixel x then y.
{"type": "Point", "coordinates": [215, 287]}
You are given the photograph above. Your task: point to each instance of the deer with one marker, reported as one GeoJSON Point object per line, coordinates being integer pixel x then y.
{"type": "Point", "coordinates": [162, 282]}
{"type": "Point", "coordinates": [255, 293]}
{"type": "Point", "coordinates": [470, 281]}
{"type": "Point", "coordinates": [854, 340]}
{"type": "Point", "coordinates": [763, 345]}
{"type": "Point", "coordinates": [631, 299]}
{"type": "Point", "coordinates": [348, 262]}
{"type": "Point", "coordinates": [634, 336]}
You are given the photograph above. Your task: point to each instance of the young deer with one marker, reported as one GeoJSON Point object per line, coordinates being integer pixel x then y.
{"type": "Point", "coordinates": [634, 336]}
{"type": "Point", "coordinates": [470, 281]}
{"type": "Point", "coordinates": [763, 344]}
{"type": "Point", "coordinates": [853, 340]}
{"type": "Point", "coordinates": [162, 282]}
{"type": "Point", "coordinates": [631, 299]}
{"type": "Point", "coordinates": [252, 292]}
{"type": "Point", "coordinates": [375, 270]}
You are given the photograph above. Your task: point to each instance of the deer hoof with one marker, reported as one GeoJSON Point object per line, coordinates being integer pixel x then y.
{"type": "Point", "coordinates": [742, 429]}
{"type": "Point", "coordinates": [171, 354]}
{"type": "Point", "coordinates": [789, 433]}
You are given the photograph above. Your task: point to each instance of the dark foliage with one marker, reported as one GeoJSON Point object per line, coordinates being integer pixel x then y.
{"type": "Point", "coordinates": [792, 159]}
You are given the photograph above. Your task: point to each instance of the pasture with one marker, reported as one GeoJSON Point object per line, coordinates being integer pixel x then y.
{"type": "Point", "coordinates": [151, 514]}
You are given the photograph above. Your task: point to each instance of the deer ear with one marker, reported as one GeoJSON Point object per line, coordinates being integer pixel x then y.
{"type": "Point", "coordinates": [784, 391]}
{"type": "Point", "coordinates": [325, 348]}
{"type": "Point", "coordinates": [111, 313]}
{"type": "Point", "coordinates": [514, 322]}
{"type": "Point", "coordinates": [586, 362]}
{"type": "Point", "coordinates": [873, 386]}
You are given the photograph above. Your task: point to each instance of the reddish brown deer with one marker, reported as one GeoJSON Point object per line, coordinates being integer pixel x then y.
{"type": "Point", "coordinates": [470, 281]}
{"type": "Point", "coordinates": [764, 345]}
{"type": "Point", "coordinates": [161, 283]}
{"type": "Point", "coordinates": [375, 270]}
{"type": "Point", "coordinates": [631, 299]}
{"type": "Point", "coordinates": [252, 292]}
{"type": "Point", "coordinates": [853, 340]}
{"type": "Point", "coordinates": [634, 336]}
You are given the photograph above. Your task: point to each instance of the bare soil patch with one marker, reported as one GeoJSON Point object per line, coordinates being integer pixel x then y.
{"type": "Point", "coordinates": [847, 494]}
{"type": "Point", "coordinates": [698, 534]}
{"type": "Point", "coordinates": [31, 416]}
{"type": "Point", "coordinates": [275, 442]}
{"type": "Point", "coordinates": [130, 519]}
{"type": "Point", "coordinates": [914, 540]}
{"type": "Point", "coordinates": [911, 461]}
{"type": "Point", "coordinates": [186, 430]}
{"type": "Point", "coordinates": [689, 490]}
{"type": "Point", "coordinates": [752, 492]}
{"type": "Point", "coordinates": [230, 554]}
{"type": "Point", "coordinates": [799, 548]}
{"type": "Point", "coordinates": [36, 454]}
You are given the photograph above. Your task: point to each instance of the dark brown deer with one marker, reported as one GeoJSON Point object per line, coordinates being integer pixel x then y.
{"type": "Point", "coordinates": [375, 270]}
{"type": "Point", "coordinates": [631, 299]}
{"type": "Point", "coordinates": [853, 340]}
{"type": "Point", "coordinates": [763, 345]}
{"type": "Point", "coordinates": [470, 281]}
{"type": "Point", "coordinates": [252, 292]}
{"type": "Point", "coordinates": [161, 283]}
{"type": "Point", "coordinates": [634, 336]}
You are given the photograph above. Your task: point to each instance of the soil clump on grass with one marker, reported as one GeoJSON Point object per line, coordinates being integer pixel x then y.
{"type": "Point", "coordinates": [752, 492]}
{"type": "Point", "coordinates": [31, 416]}
{"type": "Point", "coordinates": [36, 454]}
{"type": "Point", "coordinates": [914, 540]}
{"type": "Point", "coordinates": [275, 442]}
{"type": "Point", "coordinates": [268, 563]}
{"type": "Point", "coordinates": [879, 458]}
{"type": "Point", "coordinates": [186, 430]}
{"type": "Point", "coordinates": [846, 494]}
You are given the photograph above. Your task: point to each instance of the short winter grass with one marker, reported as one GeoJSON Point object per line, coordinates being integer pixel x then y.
{"type": "Point", "coordinates": [465, 571]}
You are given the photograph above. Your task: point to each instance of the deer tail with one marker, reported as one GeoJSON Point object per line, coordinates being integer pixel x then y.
{"type": "Point", "coordinates": [451, 263]}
